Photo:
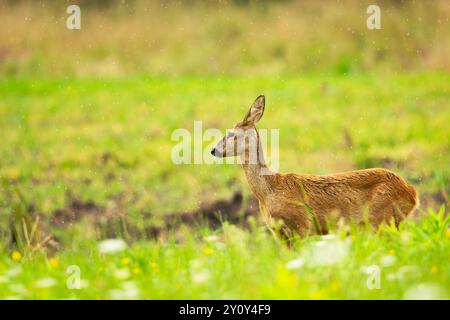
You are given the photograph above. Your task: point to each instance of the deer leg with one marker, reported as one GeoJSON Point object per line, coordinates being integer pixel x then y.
{"type": "Point", "coordinates": [384, 209]}
{"type": "Point", "coordinates": [285, 234]}
{"type": "Point", "coordinates": [294, 218]}
{"type": "Point", "coordinates": [380, 208]}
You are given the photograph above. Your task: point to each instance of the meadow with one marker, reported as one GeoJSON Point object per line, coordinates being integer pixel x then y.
{"type": "Point", "coordinates": [93, 207]}
{"type": "Point", "coordinates": [237, 264]}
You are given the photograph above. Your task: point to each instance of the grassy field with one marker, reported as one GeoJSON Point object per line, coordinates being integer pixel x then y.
{"type": "Point", "coordinates": [234, 264]}
{"type": "Point", "coordinates": [111, 139]}
{"type": "Point", "coordinates": [107, 143]}
{"type": "Point", "coordinates": [90, 197]}
{"type": "Point", "coordinates": [261, 37]}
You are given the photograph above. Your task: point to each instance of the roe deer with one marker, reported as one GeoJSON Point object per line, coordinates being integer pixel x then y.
{"type": "Point", "coordinates": [306, 203]}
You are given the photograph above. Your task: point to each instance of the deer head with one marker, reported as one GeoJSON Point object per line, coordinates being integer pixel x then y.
{"type": "Point", "coordinates": [243, 139]}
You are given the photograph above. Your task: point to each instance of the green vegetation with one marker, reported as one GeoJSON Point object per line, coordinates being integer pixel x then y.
{"type": "Point", "coordinates": [111, 139]}
{"type": "Point", "coordinates": [234, 263]}
{"type": "Point", "coordinates": [109, 142]}
{"type": "Point", "coordinates": [118, 38]}
{"type": "Point", "coordinates": [86, 119]}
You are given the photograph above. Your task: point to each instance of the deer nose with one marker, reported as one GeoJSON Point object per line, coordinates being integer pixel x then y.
{"type": "Point", "coordinates": [213, 151]}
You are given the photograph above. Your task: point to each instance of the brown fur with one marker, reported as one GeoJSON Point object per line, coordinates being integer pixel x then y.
{"type": "Point", "coordinates": [308, 204]}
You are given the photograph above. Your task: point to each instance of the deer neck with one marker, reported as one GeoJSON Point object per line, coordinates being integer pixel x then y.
{"type": "Point", "coordinates": [259, 177]}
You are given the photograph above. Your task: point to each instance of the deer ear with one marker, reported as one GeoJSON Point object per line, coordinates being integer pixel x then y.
{"type": "Point", "coordinates": [256, 110]}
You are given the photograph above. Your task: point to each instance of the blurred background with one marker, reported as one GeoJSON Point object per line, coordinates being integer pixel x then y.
{"type": "Point", "coordinates": [245, 37]}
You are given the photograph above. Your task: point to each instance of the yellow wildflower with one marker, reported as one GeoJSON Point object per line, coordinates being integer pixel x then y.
{"type": "Point", "coordinates": [53, 262]}
{"type": "Point", "coordinates": [434, 269]}
{"type": "Point", "coordinates": [447, 233]}
{"type": "Point", "coordinates": [136, 270]}
{"type": "Point", "coordinates": [125, 261]}
{"type": "Point", "coordinates": [16, 256]}
{"type": "Point", "coordinates": [286, 279]}
{"type": "Point", "coordinates": [392, 252]}
{"type": "Point", "coordinates": [208, 251]}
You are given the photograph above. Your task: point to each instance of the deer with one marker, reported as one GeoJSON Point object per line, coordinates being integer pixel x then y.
{"type": "Point", "coordinates": [307, 204]}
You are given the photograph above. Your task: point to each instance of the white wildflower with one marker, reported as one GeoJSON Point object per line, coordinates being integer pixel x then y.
{"type": "Point", "coordinates": [211, 238]}
{"type": "Point", "coordinates": [328, 252]}
{"type": "Point", "coordinates": [295, 264]}
{"type": "Point", "coordinates": [200, 277]}
{"type": "Point", "coordinates": [45, 283]}
{"type": "Point", "coordinates": [122, 274]}
{"type": "Point", "coordinates": [388, 260]}
{"type": "Point", "coordinates": [426, 291]}
{"type": "Point", "coordinates": [111, 245]}
{"type": "Point", "coordinates": [13, 272]}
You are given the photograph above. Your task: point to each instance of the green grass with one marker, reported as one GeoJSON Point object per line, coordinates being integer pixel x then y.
{"type": "Point", "coordinates": [233, 263]}
{"type": "Point", "coordinates": [57, 133]}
